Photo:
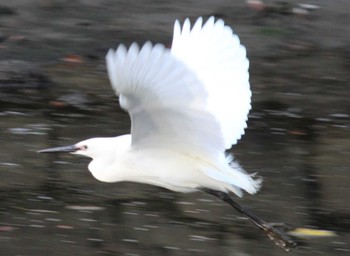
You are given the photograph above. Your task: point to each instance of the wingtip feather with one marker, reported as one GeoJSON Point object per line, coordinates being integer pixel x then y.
{"type": "Point", "coordinates": [197, 25]}
{"type": "Point", "coordinates": [186, 27]}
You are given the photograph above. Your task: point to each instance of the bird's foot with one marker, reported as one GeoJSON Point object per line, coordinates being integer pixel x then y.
{"type": "Point", "coordinates": [277, 233]}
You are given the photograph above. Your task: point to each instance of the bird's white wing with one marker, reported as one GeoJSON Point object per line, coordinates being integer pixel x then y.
{"type": "Point", "coordinates": [166, 101]}
{"type": "Point", "coordinates": [218, 59]}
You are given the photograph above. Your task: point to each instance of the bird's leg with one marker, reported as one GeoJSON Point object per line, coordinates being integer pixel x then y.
{"type": "Point", "coordinates": [275, 231]}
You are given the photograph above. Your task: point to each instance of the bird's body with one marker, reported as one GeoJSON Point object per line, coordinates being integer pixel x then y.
{"type": "Point", "coordinates": [187, 105]}
{"type": "Point", "coordinates": [163, 167]}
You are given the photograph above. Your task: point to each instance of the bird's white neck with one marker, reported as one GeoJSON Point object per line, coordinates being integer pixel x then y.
{"type": "Point", "coordinates": [109, 152]}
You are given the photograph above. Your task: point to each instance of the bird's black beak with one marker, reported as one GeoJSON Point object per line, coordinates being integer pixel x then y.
{"type": "Point", "coordinates": [65, 149]}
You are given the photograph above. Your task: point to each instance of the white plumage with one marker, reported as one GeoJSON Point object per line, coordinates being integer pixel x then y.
{"type": "Point", "coordinates": [187, 105]}
{"type": "Point", "coordinates": [192, 100]}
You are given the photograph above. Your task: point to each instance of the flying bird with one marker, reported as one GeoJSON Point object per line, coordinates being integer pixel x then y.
{"type": "Point", "coordinates": [187, 106]}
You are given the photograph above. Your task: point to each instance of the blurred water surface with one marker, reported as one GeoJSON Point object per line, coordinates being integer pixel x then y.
{"type": "Point", "coordinates": [297, 137]}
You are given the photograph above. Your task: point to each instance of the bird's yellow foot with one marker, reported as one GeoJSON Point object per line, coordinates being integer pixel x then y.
{"type": "Point", "coordinates": [277, 233]}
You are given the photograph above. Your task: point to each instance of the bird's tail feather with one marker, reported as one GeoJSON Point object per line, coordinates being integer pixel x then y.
{"type": "Point", "coordinates": [234, 178]}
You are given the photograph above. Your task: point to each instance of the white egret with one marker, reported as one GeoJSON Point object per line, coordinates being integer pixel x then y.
{"type": "Point", "coordinates": [187, 105]}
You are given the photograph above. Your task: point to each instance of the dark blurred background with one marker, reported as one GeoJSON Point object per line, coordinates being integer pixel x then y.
{"type": "Point", "coordinates": [54, 91]}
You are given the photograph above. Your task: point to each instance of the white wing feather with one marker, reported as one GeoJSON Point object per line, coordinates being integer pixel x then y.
{"type": "Point", "coordinates": [166, 101]}
{"type": "Point", "coordinates": [218, 59]}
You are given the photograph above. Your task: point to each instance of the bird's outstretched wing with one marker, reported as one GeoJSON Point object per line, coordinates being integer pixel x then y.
{"type": "Point", "coordinates": [218, 59]}
{"type": "Point", "coordinates": [166, 101]}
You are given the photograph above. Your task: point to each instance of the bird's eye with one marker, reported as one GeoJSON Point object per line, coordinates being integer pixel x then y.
{"type": "Point", "coordinates": [84, 147]}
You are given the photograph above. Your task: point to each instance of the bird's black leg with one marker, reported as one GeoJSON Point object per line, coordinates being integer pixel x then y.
{"type": "Point", "coordinates": [275, 231]}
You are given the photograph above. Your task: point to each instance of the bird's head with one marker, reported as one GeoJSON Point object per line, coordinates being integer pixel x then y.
{"type": "Point", "coordinates": [91, 147]}
{"type": "Point", "coordinates": [103, 151]}
{"type": "Point", "coordinates": [95, 147]}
